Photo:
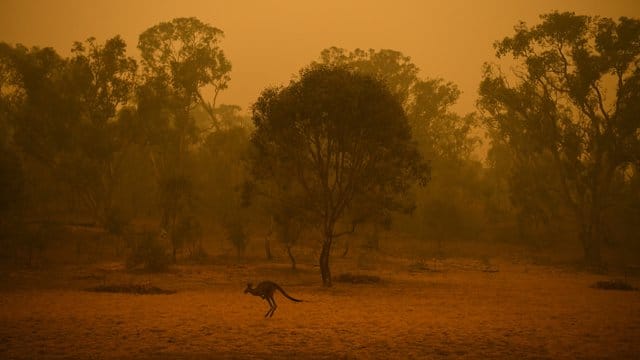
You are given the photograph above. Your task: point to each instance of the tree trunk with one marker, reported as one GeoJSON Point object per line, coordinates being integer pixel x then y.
{"type": "Point", "coordinates": [346, 247]}
{"type": "Point", "coordinates": [293, 260]}
{"type": "Point", "coordinates": [267, 248]}
{"type": "Point", "coordinates": [174, 244]}
{"type": "Point", "coordinates": [590, 238]}
{"type": "Point", "coordinates": [591, 235]}
{"type": "Point", "coordinates": [324, 262]}
{"type": "Point", "coordinates": [374, 241]}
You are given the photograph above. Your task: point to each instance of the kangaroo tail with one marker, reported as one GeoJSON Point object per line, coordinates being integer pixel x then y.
{"type": "Point", "coordinates": [287, 295]}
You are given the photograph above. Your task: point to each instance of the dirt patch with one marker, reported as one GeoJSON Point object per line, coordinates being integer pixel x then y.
{"type": "Point", "coordinates": [613, 285]}
{"type": "Point", "coordinates": [521, 312]}
{"type": "Point", "coordinates": [358, 278]}
{"type": "Point", "coordinates": [139, 289]}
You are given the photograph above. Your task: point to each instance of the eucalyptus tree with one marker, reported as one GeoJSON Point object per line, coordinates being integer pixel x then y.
{"type": "Point", "coordinates": [444, 137]}
{"type": "Point", "coordinates": [70, 114]}
{"type": "Point", "coordinates": [442, 133]}
{"type": "Point", "coordinates": [181, 60]}
{"type": "Point", "coordinates": [572, 102]}
{"type": "Point", "coordinates": [331, 141]}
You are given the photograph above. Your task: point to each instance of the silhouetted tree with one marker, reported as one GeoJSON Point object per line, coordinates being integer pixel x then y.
{"type": "Point", "coordinates": [332, 139]}
{"type": "Point", "coordinates": [444, 138]}
{"type": "Point", "coordinates": [222, 155]}
{"type": "Point", "coordinates": [288, 230]}
{"type": "Point", "coordinates": [11, 187]}
{"type": "Point", "coordinates": [184, 54]}
{"type": "Point", "coordinates": [67, 114]}
{"type": "Point", "coordinates": [574, 104]}
{"type": "Point", "coordinates": [180, 59]}
{"type": "Point", "coordinates": [441, 133]}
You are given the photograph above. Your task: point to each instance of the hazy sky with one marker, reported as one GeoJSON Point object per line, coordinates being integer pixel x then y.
{"type": "Point", "coordinates": [268, 41]}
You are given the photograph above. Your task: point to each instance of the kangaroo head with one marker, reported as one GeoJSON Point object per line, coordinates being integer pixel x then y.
{"type": "Point", "coordinates": [249, 288]}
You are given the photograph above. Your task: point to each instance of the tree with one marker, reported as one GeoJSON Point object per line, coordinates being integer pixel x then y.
{"type": "Point", "coordinates": [221, 154]}
{"type": "Point", "coordinates": [68, 114]}
{"type": "Point", "coordinates": [444, 137]}
{"type": "Point", "coordinates": [330, 140]}
{"type": "Point", "coordinates": [11, 168]}
{"type": "Point", "coordinates": [180, 59]}
{"type": "Point", "coordinates": [575, 102]}
{"type": "Point", "coordinates": [185, 55]}
{"type": "Point", "coordinates": [441, 133]}
{"type": "Point", "coordinates": [107, 78]}
{"type": "Point", "coordinates": [391, 66]}
{"type": "Point", "coordinates": [11, 184]}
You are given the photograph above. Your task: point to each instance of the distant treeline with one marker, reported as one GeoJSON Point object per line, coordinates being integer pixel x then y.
{"type": "Point", "coordinates": [357, 140]}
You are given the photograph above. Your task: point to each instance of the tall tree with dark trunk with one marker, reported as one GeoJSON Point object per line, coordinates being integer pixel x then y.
{"type": "Point", "coordinates": [574, 99]}
{"type": "Point", "coordinates": [329, 141]}
{"type": "Point", "coordinates": [181, 58]}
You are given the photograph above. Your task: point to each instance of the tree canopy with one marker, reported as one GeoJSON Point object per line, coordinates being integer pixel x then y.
{"type": "Point", "coordinates": [64, 113]}
{"type": "Point", "coordinates": [186, 56]}
{"type": "Point", "coordinates": [573, 103]}
{"type": "Point", "coordinates": [180, 59]}
{"type": "Point", "coordinates": [441, 133]}
{"type": "Point", "coordinates": [331, 140]}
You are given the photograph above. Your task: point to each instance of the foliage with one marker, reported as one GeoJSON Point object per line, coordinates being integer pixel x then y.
{"type": "Point", "coordinates": [222, 159]}
{"type": "Point", "coordinates": [149, 253]}
{"type": "Point", "coordinates": [562, 117]}
{"type": "Point", "coordinates": [188, 233]}
{"type": "Point", "coordinates": [64, 113]}
{"type": "Point", "coordinates": [184, 54]}
{"type": "Point", "coordinates": [443, 137]}
{"type": "Point", "coordinates": [180, 59]}
{"type": "Point", "coordinates": [441, 133]}
{"type": "Point", "coordinates": [11, 183]}
{"type": "Point", "coordinates": [116, 222]}
{"type": "Point", "coordinates": [236, 233]}
{"type": "Point", "coordinates": [329, 141]}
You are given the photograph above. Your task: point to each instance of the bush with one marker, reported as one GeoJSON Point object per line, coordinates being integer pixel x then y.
{"type": "Point", "coordinates": [115, 222]}
{"type": "Point", "coordinates": [149, 254]}
{"type": "Point", "coordinates": [237, 235]}
{"type": "Point", "coordinates": [198, 254]}
{"type": "Point", "coordinates": [188, 232]}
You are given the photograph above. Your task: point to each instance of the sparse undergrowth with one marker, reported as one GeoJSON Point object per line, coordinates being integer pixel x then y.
{"type": "Point", "coordinates": [150, 255]}
{"type": "Point", "coordinates": [140, 289]}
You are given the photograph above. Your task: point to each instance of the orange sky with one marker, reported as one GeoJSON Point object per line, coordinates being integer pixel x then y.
{"type": "Point", "coordinates": [267, 41]}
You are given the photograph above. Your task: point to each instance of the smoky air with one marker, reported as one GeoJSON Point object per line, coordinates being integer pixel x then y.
{"type": "Point", "coordinates": [282, 179]}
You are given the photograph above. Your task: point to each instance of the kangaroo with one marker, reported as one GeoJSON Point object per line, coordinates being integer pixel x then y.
{"type": "Point", "coordinates": [265, 290]}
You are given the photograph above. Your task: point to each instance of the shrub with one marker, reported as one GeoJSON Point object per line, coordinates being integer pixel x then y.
{"type": "Point", "coordinates": [150, 254]}
{"type": "Point", "coordinates": [236, 234]}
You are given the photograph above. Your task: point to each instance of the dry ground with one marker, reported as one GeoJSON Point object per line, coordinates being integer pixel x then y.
{"type": "Point", "coordinates": [521, 311]}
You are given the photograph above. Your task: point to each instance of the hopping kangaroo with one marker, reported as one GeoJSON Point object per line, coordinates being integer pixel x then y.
{"type": "Point", "coordinates": [265, 290]}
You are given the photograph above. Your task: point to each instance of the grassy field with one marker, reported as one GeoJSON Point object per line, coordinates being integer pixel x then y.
{"type": "Point", "coordinates": [517, 310]}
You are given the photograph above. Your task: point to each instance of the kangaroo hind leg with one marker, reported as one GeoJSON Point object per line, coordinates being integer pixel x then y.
{"type": "Point", "coordinates": [274, 306]}
{"type": "Point", "coordinates": [271, 306]}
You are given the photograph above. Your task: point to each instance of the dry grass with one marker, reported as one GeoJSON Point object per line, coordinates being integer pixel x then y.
{"type": "Point", "coordinates": [522, 311]}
